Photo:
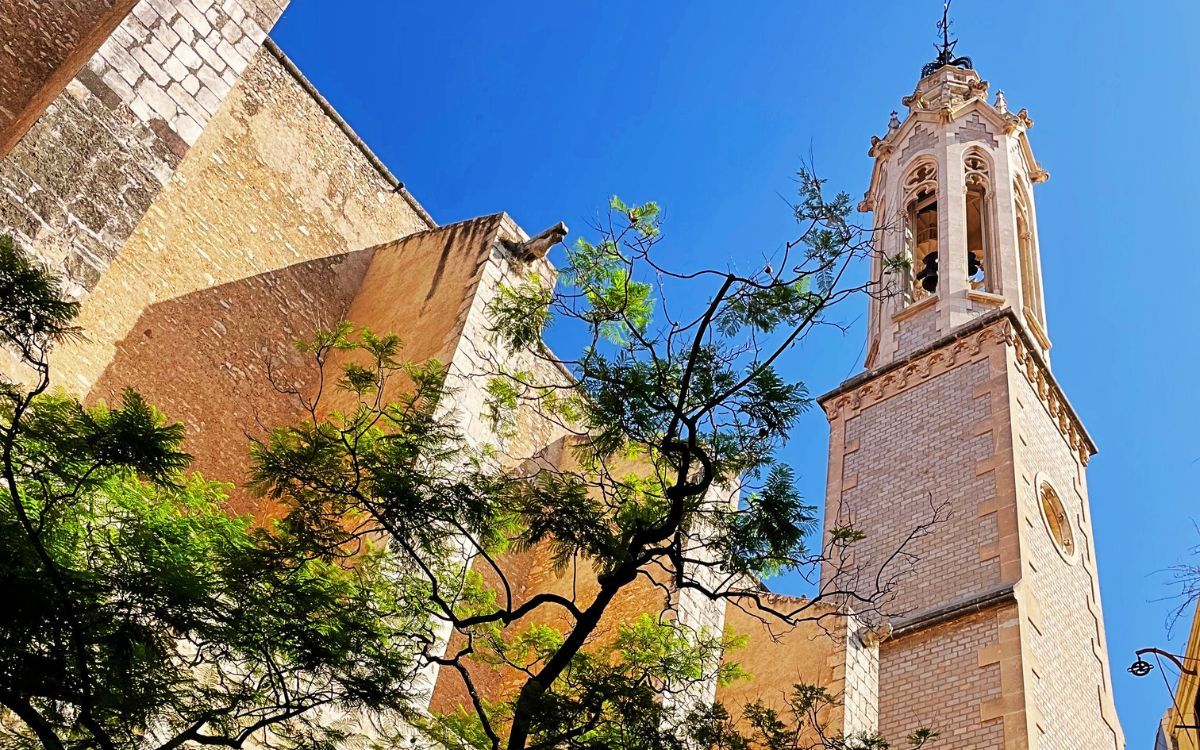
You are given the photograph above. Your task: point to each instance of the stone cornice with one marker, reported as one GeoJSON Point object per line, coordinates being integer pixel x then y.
{"type": "Point", "coordinates": [957, 348]}
{"type": "Point", "coordinates": [925, 619]}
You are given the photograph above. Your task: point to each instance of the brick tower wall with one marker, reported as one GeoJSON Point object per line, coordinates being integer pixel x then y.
{"type": "Point", "coordinates": [906, 443]}
{"type": "Point", "coordinates": [1063, 628]}
{"type": "Point", "coordinates": [947, 678]}
{"type": "Point", "coordinates": [932, 432]}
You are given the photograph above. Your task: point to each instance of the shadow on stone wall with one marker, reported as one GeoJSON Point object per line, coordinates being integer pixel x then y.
{"type": "Point", "coordinates": [203, 358]}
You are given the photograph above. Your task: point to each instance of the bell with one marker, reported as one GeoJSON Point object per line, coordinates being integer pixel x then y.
{"type": "Point", "coordinates": [928, 276]}
{"type": "Point", "coordinates": [973, 264]}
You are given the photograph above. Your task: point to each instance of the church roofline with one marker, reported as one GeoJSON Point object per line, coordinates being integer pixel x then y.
{"type": "Point", "coordinates": [978, 324]}
{"type": "Point", "coordinates": [329, 110]}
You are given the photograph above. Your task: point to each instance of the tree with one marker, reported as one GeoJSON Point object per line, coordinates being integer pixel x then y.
{"type": "Point", "coordinates": [670, 411]}
{"type": "Point", "coordinates": [138, 614]}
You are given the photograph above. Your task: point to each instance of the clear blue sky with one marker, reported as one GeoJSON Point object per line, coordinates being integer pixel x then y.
{"type": "Point", "coordinates": [545, 108]}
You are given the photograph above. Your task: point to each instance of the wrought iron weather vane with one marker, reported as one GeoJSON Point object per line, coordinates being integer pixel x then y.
{"type": "Point", "coordinates": [946, 50]}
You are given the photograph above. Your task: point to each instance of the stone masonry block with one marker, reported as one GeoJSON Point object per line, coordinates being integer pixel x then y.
{"type": "Point", "coordinates": [157, 99]}
{"type": "Point", "coordinates": [146, 13]}
{"type": "Point", "coordinates": [151, 68]}
{"type": "Point", "coordinates": [247, 47]}
{"type": "Point", "coordinates": [122, 62]}
{"type": "Point", "coordinates": [175, 68]}
{"type": "Point", "coordinates": [156, 50]}
{"type": "Point", "coordinates": [185, 30]}
{"type": "Point", "coordinates": [188, 129]}
{"type": "Point", "coordinates": [195, 17]}
{"type": "Point", "coordinates": [231, 31]}
{"type": "Point", "coordinates": [165, 8]}
{"type": "Point", "coordinates": [231, 56]}
{"type": "Point", "coordinates": [207, 99]}
{"type": "Point", "coordinates": [187, 102]}
{"type": "Point", "coordinates": [213, 81]}
{"type": "Point", "coordinates": [188, 56]}
{"type": "Point", "coordinates": [167, 36]}
{"type": "Point", "coordinates": [233, 8]}
{"type": "Point", "coordinates": [254, 30]}
{"type": "Point", "coordinates": [210, 56]}
{"type": "Point", "coordinates": [119, 86]}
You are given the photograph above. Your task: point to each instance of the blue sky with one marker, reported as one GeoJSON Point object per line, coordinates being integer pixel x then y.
{"type": "Point", "coordinates": [545, 108]}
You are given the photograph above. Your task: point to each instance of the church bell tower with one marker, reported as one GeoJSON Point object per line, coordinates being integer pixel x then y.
{"type": "Point", "coordinates": [996, 633]}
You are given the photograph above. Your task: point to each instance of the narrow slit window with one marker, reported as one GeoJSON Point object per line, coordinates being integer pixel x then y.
{"type": "Point", "coordinates": [980, 262]}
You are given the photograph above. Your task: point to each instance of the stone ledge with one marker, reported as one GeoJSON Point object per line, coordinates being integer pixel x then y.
{"type": "Point", "coordinates": [925, 619]}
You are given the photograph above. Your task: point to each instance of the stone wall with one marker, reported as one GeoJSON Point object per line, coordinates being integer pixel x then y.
{"type": "Point", "coordinates": [45, 43]}
{"type": "Point", "coordinates": [823, 650]}
{"type": "Point", "coordinates": [273, 181]}
{"type": "Point", "coordinates": [73, 189]}
{"type": "Point", "coordinates": [860, 693]}
{"type": "Point", "coordinates": [205, 359]}
{"type": "Point", "coordinates": [262, 234]}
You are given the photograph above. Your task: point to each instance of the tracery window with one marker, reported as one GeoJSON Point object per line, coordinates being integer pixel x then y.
{"type": "Point", "coordinates": [1031, 278]}
{"type": "Point", "coordinates": [921, 232]}
{"type": "Point", "coordinates": [981, 264]}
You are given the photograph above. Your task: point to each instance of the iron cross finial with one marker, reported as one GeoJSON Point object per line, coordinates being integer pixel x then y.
{"type": "Point", "coordinates": [946, 51]}
{"type": "Point", "coordinates": [944, 26]}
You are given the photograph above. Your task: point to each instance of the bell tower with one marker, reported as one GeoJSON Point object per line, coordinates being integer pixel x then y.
{"type": "Point", "coordinates": [996, 630]}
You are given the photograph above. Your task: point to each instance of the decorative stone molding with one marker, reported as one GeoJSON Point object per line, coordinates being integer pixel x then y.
{"type": "Point", "coordinates": [985, 298]}
{"type": "Point", "coordinates": [921, 138]}
{"type": "Point", "coordinates": [916, 308]}
{"type": "Point", "coordinates": [922, 366]}
{"type": "Point", "coordinates": [1034, 368]}
{"type": "Point", "coordinates": [881, 148]}
{"type": "Point", "coordinates": [959, 348]}
{"type": "Point", "coordinates": [974, 129]}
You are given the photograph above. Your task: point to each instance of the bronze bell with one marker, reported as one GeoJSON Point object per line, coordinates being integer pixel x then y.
{"type": "Point", "coordinates": [928, 276]}
{"type": "Point", "coordinates": [974, 266]}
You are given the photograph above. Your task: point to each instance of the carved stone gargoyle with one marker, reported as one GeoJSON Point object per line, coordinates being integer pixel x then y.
{"type": "Point", "coordinates": [536, 247]}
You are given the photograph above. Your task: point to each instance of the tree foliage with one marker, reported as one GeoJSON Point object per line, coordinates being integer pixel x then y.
{"type": "Point", "coordinates": [151, 618]}
{"type": "Point", "coordinates": [139, 614]}
{"type": "Point", "coordinates": [671, 411]}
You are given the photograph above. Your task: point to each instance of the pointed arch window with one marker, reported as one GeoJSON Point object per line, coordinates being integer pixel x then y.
{"type": "Point", "coordinates": [921, 232]}
{"type": "Point", "coordinates": [1031, 278]}
{"type": "Point", "coordinates": [981, 262]}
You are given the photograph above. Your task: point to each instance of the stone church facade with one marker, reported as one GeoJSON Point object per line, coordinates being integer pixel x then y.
{"type": "Point", "coordinates": [209, 207]}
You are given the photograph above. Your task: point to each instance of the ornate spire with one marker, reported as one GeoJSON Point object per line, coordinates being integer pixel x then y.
{"type": "Point", "coordinates": [946, 51]}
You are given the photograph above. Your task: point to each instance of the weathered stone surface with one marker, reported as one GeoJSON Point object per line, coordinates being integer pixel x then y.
{"type": "Point", "coordinates": [45, 42]}
{"type": "Point", "coordinates": [272, 182]}
{"type": "Point", "coordinates": [102, 149]}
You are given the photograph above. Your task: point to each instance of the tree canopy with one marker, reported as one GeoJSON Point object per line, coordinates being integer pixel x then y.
{"type": "Point", "coordinates": [138, 613]}
{"type": "Point", "coordinates": [148, 617]}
